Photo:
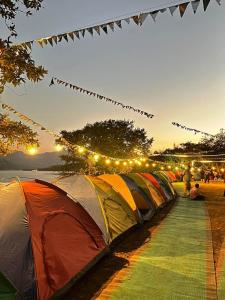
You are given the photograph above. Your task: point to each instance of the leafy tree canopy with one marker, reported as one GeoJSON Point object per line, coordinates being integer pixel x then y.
{"type": "Point", "coordinates": [16, 64]}
{"type": "Point", "coordinates": [14, 134]}
{"type": "Point", "coordinates": [115, 138]}
{"type": "Point", "coordinates": [213, 145]}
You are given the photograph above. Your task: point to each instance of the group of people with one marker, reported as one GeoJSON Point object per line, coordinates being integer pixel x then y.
{"type": "Point", "coordinates": [192, 192]}
{"type": "Point", "coordinates": [207, 175]}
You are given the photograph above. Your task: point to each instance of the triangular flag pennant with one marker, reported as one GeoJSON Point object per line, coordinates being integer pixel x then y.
{"type": "Point", "coordinates": [154, 14]}
{"type": "Point", "coordinates": [65, 37]}
{"type": "Point", "coordinates": [118, 23]}
{"type": "Point", "coordinates": [52, 82]}
{"type": "Point", "coordinates": [60, 36]}
{"type": "Point", "coordinates": [90, 30]}
{"type": "Point", "coordinates": [77, 34]}
{"type": "Point", "coordinates": [136, 19]}
{"type": "Point", "coordinates": [172, 9]}
{"type": "Point", "coordinates": [182, 8]}
{"type": "Point", "coordinates": [54, 37]}
{"type": "Point", "coordinates": [104, 27]}
{"type": "Point", "coordinates": [82, 32]}
{"type": "Point", "coordinates": [71, 35]}
{"type": "Point", "coordinates": [29, 44]}
{"type": "Point", "coordinates": [97, 29]}
{"type": "Point", "coordinates": [142, 18]}
{"type": "Point", "coordinates": [111, 25]}
{"type": "Point", "coordinates": [205, 4]}
{"type": "Point", "coordinates": [50, 41]}
{"type": "Point", "coordinates": [195, 5]}
{"type": "Point", "coordinates": [127, 20]}
{"type": "Point", "coordinates": [219, 2]}
{"type": "Point", "coordinates": [40, 42]}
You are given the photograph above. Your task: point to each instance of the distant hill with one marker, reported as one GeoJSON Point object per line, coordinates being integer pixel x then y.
{"type": "Point", "coordinates": [22, 161]}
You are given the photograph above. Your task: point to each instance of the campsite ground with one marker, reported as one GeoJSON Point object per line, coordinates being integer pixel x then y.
{"type": "Point", "coordinates": [90, 286]}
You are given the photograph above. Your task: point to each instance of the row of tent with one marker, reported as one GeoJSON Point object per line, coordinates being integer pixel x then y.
{"type": "Point", "coordinates": [52, 233]}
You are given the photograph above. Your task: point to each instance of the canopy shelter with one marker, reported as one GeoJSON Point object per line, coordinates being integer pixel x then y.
{"type": "Point", "coordinates": [119, 185]}
{"type": "Point", "coordinates": [47, 241]}
{"type": "Point", "coordinates": [142, 201]}
{"type": "Point", "coordinates": [107, 207]}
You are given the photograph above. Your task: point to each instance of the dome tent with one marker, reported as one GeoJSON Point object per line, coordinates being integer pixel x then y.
{"type": "Point", "coordinates": [156, 184]}
{"type": "Point", "coordinates": [120, 186]}
{"type": "Point", "coordinates": [144, 204]}
{"type": "Point", "coordinates": [154, 193]}
{"type": "Point", "coordinates": [107, 207]}
{"type": "Point", "coordinates": [166, 186]}
{"type": "Point", "coordinates": [46, 238]}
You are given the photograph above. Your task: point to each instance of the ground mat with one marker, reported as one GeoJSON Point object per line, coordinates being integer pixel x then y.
{"type": "Point", "coordinates": [177, 263]}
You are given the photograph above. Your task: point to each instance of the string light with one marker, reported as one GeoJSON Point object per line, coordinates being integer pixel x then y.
{"type": "Point", "coordinates": [108, 161]}
{"type": "Point", "coordinates": [81, 150]}
{"type": "Point", "coordinates": [125, 163]}
{"type": "Point", "coordinates": [58, 148]}
{"type": "Point", "coordinates": [32, 150]}
{"type": "Point", "coordinates": [162, 168]}
{"type": "Point", "coordinates": [154, 165]}
{"type": "Point", "coordinates": [222, 170]}
{"type": "Point", "coordinates": [117, 163]}
{"type": "Point", "coordinates": [169, 167]}
{"type": "Point", "coordinates": [147, 165]}
{"type": "Point", "coordinates": [96, 157]}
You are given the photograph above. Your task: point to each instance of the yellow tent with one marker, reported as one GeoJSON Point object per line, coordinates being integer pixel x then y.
{"type": "Point", "coordinates": [119, 185]}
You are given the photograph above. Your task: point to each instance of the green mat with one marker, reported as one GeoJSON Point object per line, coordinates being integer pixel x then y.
{"type": "Point", "coordinates": [7, 292]}
{"type": "Point", "coordinates": [177, 263]}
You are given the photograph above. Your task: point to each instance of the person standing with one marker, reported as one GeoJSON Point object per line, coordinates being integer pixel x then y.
{"type": "Point", "coordinates": [187, 181]}
{"type": "Point", "coordinates": [207, 176]}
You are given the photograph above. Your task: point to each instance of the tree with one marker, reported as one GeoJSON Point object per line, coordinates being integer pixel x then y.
{"type": "Point", "coordinates": [16, 64]}
{"type": "Point", "coordinates": [210, 144]}
{"type": "Point", "coordinates": [14, 134]}
{"type": "Point", "coordinates": [114, 138]}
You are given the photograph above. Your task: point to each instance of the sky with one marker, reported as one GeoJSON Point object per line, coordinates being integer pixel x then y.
{"type": "Point", "coordinates": [173, 68]}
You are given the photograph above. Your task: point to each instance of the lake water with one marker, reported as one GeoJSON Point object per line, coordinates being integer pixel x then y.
{"type": "Point", "coordinates": [7, 176]}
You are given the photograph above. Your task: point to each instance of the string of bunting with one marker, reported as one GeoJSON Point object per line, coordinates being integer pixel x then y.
{"type": "Point", "coordinates": [137, 19]}
{"type": "Point", "coordinates": [196, 131]}
{"type": "Point", "coordinates": [100, 97]}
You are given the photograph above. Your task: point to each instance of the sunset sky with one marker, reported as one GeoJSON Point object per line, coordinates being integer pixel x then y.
{"type": "Point", "coordinates": [174, 68]}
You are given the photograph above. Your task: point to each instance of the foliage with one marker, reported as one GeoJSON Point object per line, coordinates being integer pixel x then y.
{"type": "Point", "coordinates": [114, 138]}
{"type": "Point", "coordinates": [213, 145]}
{"type": "Point", "coordinates": [14, 134]}
{"type": "Point", "coordinates": [16, 64]}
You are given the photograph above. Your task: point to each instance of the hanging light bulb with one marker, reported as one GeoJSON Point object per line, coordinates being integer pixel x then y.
{"type": "Point", "coordinates": [130, 162]}
{"type": "Point", "coordinates": [162, 168]}
{"type": "Point", "coordinates": [154, 165]}
{"type": "Point", "coordinates": [32, 150]}
{"type": "Point", "coordinates": [222, 170]}
{"type": "Point", "coordinates": [139, 163]}
{"type": "Point", "coordinates": [58, 148]}
{"type": "Point", "coordinates": [147, 165]}
{"type": "Point", "coordinates": [117, 163]}
{"type": "Point", "coordinates": [108, 161]}
{"type": "Point", "coordinates": [176, 168]}
{"type": "Point", "coordinates": [81, 150]}
{"type": "Point", "coordinates": [125, 163]}
{"type": "Point", "coordinates": [169, 167]}
{"type": "Point", "coordinates": [96, 157]}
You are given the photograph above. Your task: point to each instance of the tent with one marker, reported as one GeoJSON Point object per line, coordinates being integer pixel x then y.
{"type": "Point", "coordinates": [166, 185]}
{"type": "Point", "coordinates": [142, 201]}
{"type": "Point", "coordinates": [154, 193]}
{"type": "Point", "coordinates": [47, 241]}
{"type": "Point", "coordinates": [156, 184]}
{"type": "Point", "coordinates": [170, 175]}
{"type": "Point", "coordinates": [107, 207]}
{"type": "Point", "coordinates": [119, 185]}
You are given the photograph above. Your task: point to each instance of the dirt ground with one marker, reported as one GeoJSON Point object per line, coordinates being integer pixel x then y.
{"type": "Point", "coordinates": [90, 286]}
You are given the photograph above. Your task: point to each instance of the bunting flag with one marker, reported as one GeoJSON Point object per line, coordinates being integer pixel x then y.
{"type": "Point", "coordinates": [137, 19]}
{"type": "Point", "coordinates": [192, 129]}
{"type": "Point", "coordinates": [100, 97]}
